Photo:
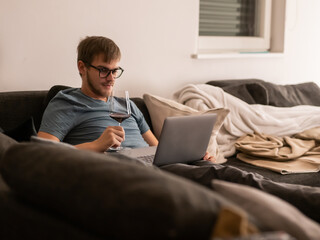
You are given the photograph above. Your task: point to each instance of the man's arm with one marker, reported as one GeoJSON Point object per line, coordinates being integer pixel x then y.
{"type": "Point", "coordinates": [150, 138]}
{"type": "Point", "coordinates": [48, 136]}
{"type": "Point", "coordinates": [111, 137]}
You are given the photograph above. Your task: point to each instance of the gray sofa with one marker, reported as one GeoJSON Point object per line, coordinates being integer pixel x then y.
{"type": "Point", "coordinates": [53, 191]}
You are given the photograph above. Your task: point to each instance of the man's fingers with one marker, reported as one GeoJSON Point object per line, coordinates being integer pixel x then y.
{"type": "Point", "coordinates": [208, 157]}
{"type": "Point", "coordinates": [116, 135]}
{"type": "Point", "coordinates": [116, 131]}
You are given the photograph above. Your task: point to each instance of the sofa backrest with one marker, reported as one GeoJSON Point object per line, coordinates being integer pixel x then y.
{"type": "Point", "coordinates": [18, 107]}
{"type": "Point", "coordinates": [257, 91]}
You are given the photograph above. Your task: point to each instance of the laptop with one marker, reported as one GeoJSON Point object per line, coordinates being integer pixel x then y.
{"type": "Point", "coordinates": [183, 139]}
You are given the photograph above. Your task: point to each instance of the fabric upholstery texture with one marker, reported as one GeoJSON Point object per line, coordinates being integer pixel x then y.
{"type": "Point", "coordinates": [272, 212]}
{"type": "Point", "coordinates": [252, 93]}
{"type": "Point", "coordinates": [5, 143]}
{"type": "Point", "coordinates": [306, 179]}
{"type": "Point", "coordinates": [23, 131]}
{"type": "Point", "coordinates": [111, 196]}
{"type": "Point", "coordinates": [21, 219]}
{"type": "Point", "coordinates": [53, 92]}
{"type": "Point", "coordinates": [161, 108]}
{"type": "Point", "coordinates": [307, 93]}
{"type": "Point", "coordinates": [17, 107]}
{"type": "Point", "coordinates": [305, 198]}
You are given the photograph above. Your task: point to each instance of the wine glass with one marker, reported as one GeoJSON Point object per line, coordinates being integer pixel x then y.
{"type": "Point", "coordinates": [120, 107]}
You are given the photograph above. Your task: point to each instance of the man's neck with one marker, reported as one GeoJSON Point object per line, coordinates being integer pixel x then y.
{"type": "Point", "coordinates": [91, 94]}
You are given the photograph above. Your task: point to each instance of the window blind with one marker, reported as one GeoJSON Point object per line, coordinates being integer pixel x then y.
{"type": "Point", "coordinates": [227, 18]}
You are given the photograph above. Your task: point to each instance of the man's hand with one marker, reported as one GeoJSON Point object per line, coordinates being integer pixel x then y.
{"type": "Point", "coordinates": [210, 158]}
{"type": "Point", "coordinates": [111, 137]}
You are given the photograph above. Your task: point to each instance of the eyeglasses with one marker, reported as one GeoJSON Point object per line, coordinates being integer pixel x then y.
{"type": "Point", "coordinates": [105, 72]}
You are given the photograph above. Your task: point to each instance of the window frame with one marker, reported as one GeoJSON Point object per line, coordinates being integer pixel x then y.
{"type": "Point", "coordinates": [220, 44]}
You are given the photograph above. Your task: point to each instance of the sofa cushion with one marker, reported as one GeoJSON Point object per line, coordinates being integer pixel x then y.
{"type": "Point", "coordinates": [5, 143]}
{"type": "Point", "coordinates": [161, 108]}
{"type": "Point", "coordinates": [21, 219]}
{"type": "Point", "coordinates": [17, 107]}
{"type": "Point", "coordinates": [23, 131]}
{"type": "Point", "coordinates": [111, 196]}
{"type": "Point", "coordinates": [307, 93]}
{"type": "Point", "coordinates": [271, 212]}
{"type": "Point", "coordinates": [53, 92]}
{"type": "Point", "coordinates": [143, 108]}
{"type": "Point", "coordinates": [252, 93]}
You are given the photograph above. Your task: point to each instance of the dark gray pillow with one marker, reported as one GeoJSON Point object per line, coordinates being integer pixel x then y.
{"type": "Point", "coordinates": [307, 93]}
{"type": "Point", "coordinates": [251, 93]}
{"type": "Point", "coordinates": [111, 196]}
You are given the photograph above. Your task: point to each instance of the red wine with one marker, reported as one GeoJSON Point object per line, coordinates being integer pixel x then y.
{"type": "Point", "coordinates": [119, 117]}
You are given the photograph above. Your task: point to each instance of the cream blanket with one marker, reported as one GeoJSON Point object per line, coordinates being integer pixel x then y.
{"type": "Point", "coordinates": [246, 119]}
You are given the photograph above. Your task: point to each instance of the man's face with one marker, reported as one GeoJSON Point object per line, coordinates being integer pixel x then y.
{"type": "Point", "coordinates": [95, 86]}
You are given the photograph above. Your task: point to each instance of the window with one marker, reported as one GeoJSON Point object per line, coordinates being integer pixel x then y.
{"type": "Point", "coordinates": [234, 26]}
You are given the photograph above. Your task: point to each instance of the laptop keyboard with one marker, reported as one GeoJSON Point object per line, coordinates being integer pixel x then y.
{"type": "Point", "coordinates": [147, 158]}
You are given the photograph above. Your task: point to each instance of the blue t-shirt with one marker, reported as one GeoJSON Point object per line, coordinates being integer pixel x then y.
{"type": "Point", "coordinates": [76, 118]}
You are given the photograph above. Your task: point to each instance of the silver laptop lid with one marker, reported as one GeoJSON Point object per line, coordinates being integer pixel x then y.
{"type": "Point", "coordinates": [184, 139]}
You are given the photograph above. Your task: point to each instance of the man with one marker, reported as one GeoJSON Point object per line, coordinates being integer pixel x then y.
{"type": "Point", "coordinates": [81, 116]}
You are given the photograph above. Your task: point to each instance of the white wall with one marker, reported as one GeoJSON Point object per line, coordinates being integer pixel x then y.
{"type": "Point", "coordinates": [38, 40]}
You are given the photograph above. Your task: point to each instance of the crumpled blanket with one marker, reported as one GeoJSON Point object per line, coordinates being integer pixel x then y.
{"type": "Point", "coordinates": [246, 119]}
{"type": "Point", "coordinates": [297, 154]}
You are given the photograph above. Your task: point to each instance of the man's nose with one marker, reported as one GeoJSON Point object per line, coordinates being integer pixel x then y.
{"type": "Point", "coordinates": [110, 76]}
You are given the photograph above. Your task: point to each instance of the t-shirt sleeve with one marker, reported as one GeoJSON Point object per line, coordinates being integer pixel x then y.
{"type": "Point", "coordinates": [58, 118]}
{"type": "Point", "coordinates": [138, 115]}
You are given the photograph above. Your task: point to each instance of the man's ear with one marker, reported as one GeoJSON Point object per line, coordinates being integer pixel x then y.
{"type": "Point", "coordinates": [81, 67]}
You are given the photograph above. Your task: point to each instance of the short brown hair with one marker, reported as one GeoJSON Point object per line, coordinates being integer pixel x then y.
{"type": "Point", "coordinates": [90, 47]}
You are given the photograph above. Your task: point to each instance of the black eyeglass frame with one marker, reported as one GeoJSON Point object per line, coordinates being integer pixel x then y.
{"type": "Point", "coordinates": [106, 69]}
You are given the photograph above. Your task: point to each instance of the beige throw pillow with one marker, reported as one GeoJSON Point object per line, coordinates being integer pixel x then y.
{"type": "Point", "coordinates": [160, 108]}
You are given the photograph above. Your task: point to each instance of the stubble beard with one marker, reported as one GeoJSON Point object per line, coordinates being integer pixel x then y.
{"type": "Point", "coordinates": [95, 89]}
